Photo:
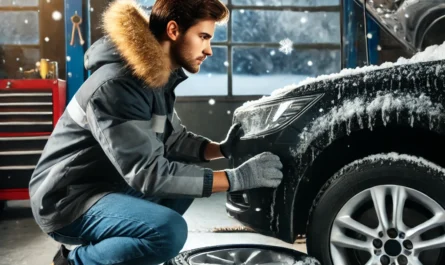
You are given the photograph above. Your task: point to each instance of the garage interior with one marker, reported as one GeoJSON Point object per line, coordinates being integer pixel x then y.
{"type": "Point", "coordinates": [266, 46]}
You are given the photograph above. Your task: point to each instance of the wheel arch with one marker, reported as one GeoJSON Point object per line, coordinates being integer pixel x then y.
{"type": "Point", "coordinates": [360, 144]}
{"type": "Point", "coordinates": [413, 125]}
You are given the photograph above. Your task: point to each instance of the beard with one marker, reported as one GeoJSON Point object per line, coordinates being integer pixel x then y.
{"type": "Point", "coordinates": [184, 59]}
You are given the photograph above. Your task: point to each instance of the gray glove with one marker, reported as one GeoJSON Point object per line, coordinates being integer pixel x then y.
{"type": "Point", "coordinates": [263, 170]}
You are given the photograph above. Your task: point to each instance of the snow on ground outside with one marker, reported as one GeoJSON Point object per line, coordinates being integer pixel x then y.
{"type": "Point", "coordinates": [216, 84]}
{"type": "Point", "coordinates": [432, 53]}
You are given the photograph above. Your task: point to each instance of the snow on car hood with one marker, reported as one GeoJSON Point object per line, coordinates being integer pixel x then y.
{"type": "Point", "coordinates": [432, 53]}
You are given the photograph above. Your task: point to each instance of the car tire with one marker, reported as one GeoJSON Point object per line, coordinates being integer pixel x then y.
{"type": "Point", "coordinates": [379, 176]}
{"type": "Point", "coordinates": [195, 256]}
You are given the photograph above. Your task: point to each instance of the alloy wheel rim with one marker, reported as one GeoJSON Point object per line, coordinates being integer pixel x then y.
{"type": "Point", "coordinates": [392, 241]}
{"type": "Point", "coordinates": [240, 256]}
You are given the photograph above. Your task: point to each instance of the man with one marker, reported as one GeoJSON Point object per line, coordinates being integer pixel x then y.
{"type": "Point", "coordinates": [109, 179]}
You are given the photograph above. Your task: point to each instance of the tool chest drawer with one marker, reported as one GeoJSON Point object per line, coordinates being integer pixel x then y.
{"type": "Point", "coordinates": [29, 110]}
{"type": "Point", "coordinates": [26, 111]}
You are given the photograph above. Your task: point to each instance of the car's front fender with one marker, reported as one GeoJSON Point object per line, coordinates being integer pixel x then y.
{"type": "Point", "coordinates": [409, 96]}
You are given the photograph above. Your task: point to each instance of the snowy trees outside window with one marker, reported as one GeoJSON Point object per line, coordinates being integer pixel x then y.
{"type": "Point", "coordinates": [19, 27]}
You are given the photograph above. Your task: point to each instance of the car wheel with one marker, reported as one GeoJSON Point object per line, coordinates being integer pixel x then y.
{"type": "Point", "coordinates": [246, 254]}
{"type": "Point", "coordinates": [384, 209]}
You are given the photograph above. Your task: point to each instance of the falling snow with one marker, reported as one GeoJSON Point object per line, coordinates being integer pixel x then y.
{"type": "Point", "coordinates": [57, 15]}
{"type": "Point", "coordinates": [286, 46]}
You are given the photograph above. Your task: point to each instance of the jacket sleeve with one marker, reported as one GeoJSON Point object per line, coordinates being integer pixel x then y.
{"type": "Point", "coordinates": [119, 118]}
{"type": "Point", "coordinates": [183, 145]}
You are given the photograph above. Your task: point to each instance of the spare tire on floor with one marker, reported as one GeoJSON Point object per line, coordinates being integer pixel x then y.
{"type": "Point", "coordinates": [246, 254]}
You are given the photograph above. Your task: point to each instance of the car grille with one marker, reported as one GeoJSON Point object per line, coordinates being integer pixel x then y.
{"type": "Point", "coordinates": [238, 199]}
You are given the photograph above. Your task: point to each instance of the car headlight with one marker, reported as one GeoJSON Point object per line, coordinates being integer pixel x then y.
{"type": "Point", "coordinates": [267, 117]}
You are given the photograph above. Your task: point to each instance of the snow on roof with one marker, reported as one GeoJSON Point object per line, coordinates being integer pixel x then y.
{"type": "Point", "coordinates": [432, 53]}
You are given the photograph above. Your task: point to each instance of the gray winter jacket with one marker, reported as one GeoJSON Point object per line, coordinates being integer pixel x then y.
{"type": "Point", "coordinates": [119, 129]}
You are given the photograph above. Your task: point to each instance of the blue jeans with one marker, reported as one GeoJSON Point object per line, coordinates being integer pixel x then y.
{"type": "Point", "coordinates": [125, 228]}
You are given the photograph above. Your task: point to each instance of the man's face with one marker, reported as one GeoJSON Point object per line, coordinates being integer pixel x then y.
{"type": "Point", "coordinates": [193, 46]}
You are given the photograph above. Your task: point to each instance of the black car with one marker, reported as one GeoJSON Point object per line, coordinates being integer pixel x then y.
{"type": "Point", "coordinates": [363, 150]}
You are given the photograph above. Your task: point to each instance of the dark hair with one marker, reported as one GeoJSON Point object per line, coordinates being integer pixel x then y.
{"type": "Point", "coordinates": [186, 13]}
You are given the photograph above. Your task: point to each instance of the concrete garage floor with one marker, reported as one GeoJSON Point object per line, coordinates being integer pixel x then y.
{"type": "Point", "coordinates": [23, 243]}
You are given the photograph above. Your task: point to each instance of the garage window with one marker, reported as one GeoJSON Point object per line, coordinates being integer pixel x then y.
{"type": "Point", "coordinates": [269, 44]}
{"type": "Point", "coordinates": [266, 45]}
{"type": "Point", "coordinates": [20, 37]}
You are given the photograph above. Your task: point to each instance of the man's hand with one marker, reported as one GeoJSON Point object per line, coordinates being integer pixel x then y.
{"type": "Point", "coordinates": [232, 138]}
{"type": "Point", "coordinates": [263, 170]}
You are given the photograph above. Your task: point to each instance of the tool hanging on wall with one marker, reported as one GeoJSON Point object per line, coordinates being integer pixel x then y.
{"type": "Point", "coordinates": [77, 20]}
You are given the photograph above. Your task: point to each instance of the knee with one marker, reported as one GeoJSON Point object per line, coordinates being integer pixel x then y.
{"type": "Point", "coordinates": [172, 236]}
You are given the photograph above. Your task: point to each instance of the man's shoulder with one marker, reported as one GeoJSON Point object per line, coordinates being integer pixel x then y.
{"type": "Point", "coordinates": [113, 72]}
{"type": "Point", "coordinates": [111, 82]}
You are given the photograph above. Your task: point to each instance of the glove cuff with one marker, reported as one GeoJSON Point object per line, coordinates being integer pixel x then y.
{"type": "Point", "coordinates": [221, 149]}
{"type": "Point", "coordinates": [231, 178]}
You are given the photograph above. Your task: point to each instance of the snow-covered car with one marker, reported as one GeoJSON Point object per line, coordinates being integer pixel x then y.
{"type": "Point", "coordinates": [364, 177]}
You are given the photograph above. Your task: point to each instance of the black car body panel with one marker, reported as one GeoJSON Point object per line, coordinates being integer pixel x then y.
{"type": "Point", "coordinates": [316, 144]}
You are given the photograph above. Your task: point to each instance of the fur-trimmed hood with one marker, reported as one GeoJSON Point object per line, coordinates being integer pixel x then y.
{"type": "Point", "coordinates": [129, 38]}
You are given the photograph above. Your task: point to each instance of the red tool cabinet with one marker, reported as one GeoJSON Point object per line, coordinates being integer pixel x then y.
{"type": "Point", "coordinates": [29, 110]}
